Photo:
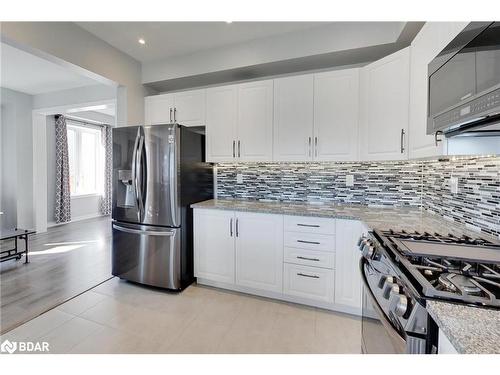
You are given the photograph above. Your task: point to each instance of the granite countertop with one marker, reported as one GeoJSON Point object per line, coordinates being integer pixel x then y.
{"type": "Point", "coordinates": [375, 217]}
{"type": "Point", "coordinates": [470, 329]}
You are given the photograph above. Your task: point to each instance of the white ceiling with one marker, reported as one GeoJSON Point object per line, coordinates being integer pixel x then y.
{"type": "Point", "coordinates": [27, 73]}
{"type": "Point", "coordinates": [169, 39]}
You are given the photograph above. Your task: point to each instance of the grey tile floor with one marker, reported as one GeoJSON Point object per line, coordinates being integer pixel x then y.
{"type": "Point", "coordinates": [121, 317]}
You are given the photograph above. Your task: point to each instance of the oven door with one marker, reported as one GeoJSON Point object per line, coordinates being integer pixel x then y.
{"type": "Point", "coordinates": [378, 334]}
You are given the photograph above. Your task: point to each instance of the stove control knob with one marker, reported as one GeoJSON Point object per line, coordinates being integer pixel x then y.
{"type": "Point", "coordinates": [362, 242]}
{"type": "Point", "coordinates": [368, 250]}
{"type": "Point", "coordinates": [390, 282]}
{"type": "Point", "coordinates": [401, 305]}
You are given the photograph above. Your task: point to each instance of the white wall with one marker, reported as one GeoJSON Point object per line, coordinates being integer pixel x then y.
{"type": "Point", "coordinates": [86, 94]}
{"type": "Point", "coordinates": [17, 155]}
{"type": "Point", "coordinates": [68, 44]}
{"type": "Point", "coordinates": [315, 41]}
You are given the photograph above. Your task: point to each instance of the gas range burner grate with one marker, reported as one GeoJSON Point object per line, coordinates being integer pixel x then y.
{"type": "Point", "coordinates": [449, 267]}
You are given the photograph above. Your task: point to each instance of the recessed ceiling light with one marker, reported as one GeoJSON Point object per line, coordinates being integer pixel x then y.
{"type": "Point", "coordinates": [229, 21]}
{"type": "Point", "coordinates": [142, 41]}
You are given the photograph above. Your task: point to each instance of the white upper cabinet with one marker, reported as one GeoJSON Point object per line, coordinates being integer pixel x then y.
{"type": "Point", "coordinates": [186, 108]}
{"type": "Point", "coordinates": [189, 108]}
{"type": "Point", "coordinates": [428, 43]}
{"type": "Point", "coordinates": [158, 109]}
{"type": "Point", "coordinates": [336, 98]}
{"type": "Point", "coordinates": [255, 121]}
{"type": "Point", "coordinates": [384, 107]}
{"type": "Point", "coordinates": [221, 123]}
{"type": "Point", "coordinates": [293, 118]}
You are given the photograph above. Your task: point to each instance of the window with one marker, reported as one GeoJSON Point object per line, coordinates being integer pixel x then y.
{"type": "Point", "coordinates": [85, 159]}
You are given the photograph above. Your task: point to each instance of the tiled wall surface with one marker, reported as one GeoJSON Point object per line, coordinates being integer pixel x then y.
{"type": "Point", "coordinates": [394, 183]}
{"type": "Point", "coordinates": [477, 202]}
{"type": "Point", "coordinates": [404, 183]}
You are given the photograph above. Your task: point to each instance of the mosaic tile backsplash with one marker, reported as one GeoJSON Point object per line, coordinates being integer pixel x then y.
{"type": "Point", "coordinates": [398, 183]}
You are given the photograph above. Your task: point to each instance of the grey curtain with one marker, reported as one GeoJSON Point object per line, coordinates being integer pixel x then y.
{"type": "Point", "coordinates": [63, 194]}
{"type": "Point", "coordinates": [107, 142]}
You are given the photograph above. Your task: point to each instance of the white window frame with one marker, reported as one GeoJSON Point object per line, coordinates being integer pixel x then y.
{"type": "Point", "coordinates": [99, 166]}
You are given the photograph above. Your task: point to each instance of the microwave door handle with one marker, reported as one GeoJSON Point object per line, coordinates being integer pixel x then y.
{"type": "Point", "coordinates": [388, 325]}
{"type": "Point", "coordinates": [134, 171]}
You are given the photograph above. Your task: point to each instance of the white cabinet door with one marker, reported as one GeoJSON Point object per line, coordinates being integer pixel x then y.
{"type": "Point", "coordinates": [259, 251]}
{"type": "Point", "coordinates": [428, 43]}
{"type": "Point", "coordinates": [384, 87]}
{"type": "Point", "coordinates": [221, 122]}
{"type": "Point", "coordinates": [255, 121]}
{"type": "Point", "coordinates": [214, 239]}
{"type": "Point", "coordinates": [348, 290]}
{"type": "Point", "coordinates": [157, 109]}
{"type": "Point", "coordinates": [336, 108]}
{"type": "Point", "coordinates": [293, 118]}
{"type": "Point", "coordinates": [189, 108]}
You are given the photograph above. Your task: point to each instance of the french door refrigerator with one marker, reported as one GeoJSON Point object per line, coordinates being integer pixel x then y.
{"type": "Point", "coordinates": [158, 172]}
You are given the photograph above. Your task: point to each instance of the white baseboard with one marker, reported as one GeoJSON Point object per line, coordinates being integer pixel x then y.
{"type": "Point", "coordinates": [73, 219]}
{"type": "Point", "coordinates": [282, 297]}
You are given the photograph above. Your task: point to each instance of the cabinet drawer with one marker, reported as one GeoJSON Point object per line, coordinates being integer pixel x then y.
{"type": "Point", "coordinates": [310, 225]}
{"type": "Point", "coordinates": [310, 241]}
{"type": "Point", "coordinates": [309, 257]}
{"type": "Point", "coordinates": [308, 282]}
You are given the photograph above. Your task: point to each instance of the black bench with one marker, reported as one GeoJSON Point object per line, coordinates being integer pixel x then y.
{"type": "Point", "coordinates": [16, 234]}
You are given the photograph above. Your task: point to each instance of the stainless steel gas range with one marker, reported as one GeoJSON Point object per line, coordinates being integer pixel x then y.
{"type": "Point", "coordinates": [402, 270]}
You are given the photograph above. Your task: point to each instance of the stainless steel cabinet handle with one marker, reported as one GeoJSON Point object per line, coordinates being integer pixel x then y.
{"type": "Point", "coordinates": [237, 228]}
{"type": "Point", "coordinates": [316, 146]}
{"type": "Point", "coordinates": [234, 148]}
{"type": "Point", "coordinates": [170, 115]}
{"type": "Point", "coordinates": [304, 258]}
{"type": "Point", "coordinates": [436, 139]}
{"type": "Point", "coordinates": [310, 242]}
{"type": "Point", "coordinates": [402, 141]}
{"type": "Point", "coordinates": [308, 225]}
{"type": "Point", "coordinates": [175, 115]}
{"type": "Point", "coordinates": [305, 275]}
{"type": "Point", "coordinates": [239, 148]}
{"type": "Point", "coordinates": [231, 227]}
{"type": "Point", "coordinates": [310, 140]}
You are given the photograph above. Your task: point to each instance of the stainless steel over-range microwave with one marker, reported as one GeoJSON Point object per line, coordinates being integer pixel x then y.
{"type": "Point", "coordinates": [464, 83]}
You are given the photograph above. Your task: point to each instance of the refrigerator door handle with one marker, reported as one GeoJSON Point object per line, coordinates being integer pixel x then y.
{"type": "Point", "coordinates": [169, 233]}
{"type": "Point", "coordinates": [173, 181]}
{"type": "Point", "coordinates": [134, 171]}
{"type": "Point", "coordinates": [139, 175]}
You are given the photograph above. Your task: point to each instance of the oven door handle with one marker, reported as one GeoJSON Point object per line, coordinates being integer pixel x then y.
{"type": "Point", "coordinates": [391, 330]}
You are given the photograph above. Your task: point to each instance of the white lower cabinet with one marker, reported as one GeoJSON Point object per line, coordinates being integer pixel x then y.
{"type": "Point", "coordinates": [348, 290]}
{"type": "Point", "coordinates": [307, 260]}
{"type": "Point", "coordinates": [308, 282]}
{"type": "Point", "coordinates": [259, 251]}
{"type": "Point", "coordinates": [214, 245]}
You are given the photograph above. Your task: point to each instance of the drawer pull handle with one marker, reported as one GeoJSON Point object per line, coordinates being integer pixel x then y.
{"type": "Point", "coordinates": [308, 225]}
{"type": "Point", "coordinates": [310, 242]}
{"type": "Point", "coordinates": [304, 258]}
{"type": "Point", "coordinates": [305, 275]}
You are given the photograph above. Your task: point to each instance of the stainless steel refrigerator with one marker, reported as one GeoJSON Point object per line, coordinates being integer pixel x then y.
{"type": "Point", "coordinates": [158, 172]}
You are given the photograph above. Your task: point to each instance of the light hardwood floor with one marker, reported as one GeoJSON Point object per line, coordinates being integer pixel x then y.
{"type": "Point", "coordinates": [65, 261]}
{"type": "Point", "coordinates": [121, 317]}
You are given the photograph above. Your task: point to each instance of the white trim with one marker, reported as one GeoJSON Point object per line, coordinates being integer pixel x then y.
{"type": "Point", "coordinates": [90, 195]}
{"type": "Point", "coordinates": [282, 297]}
